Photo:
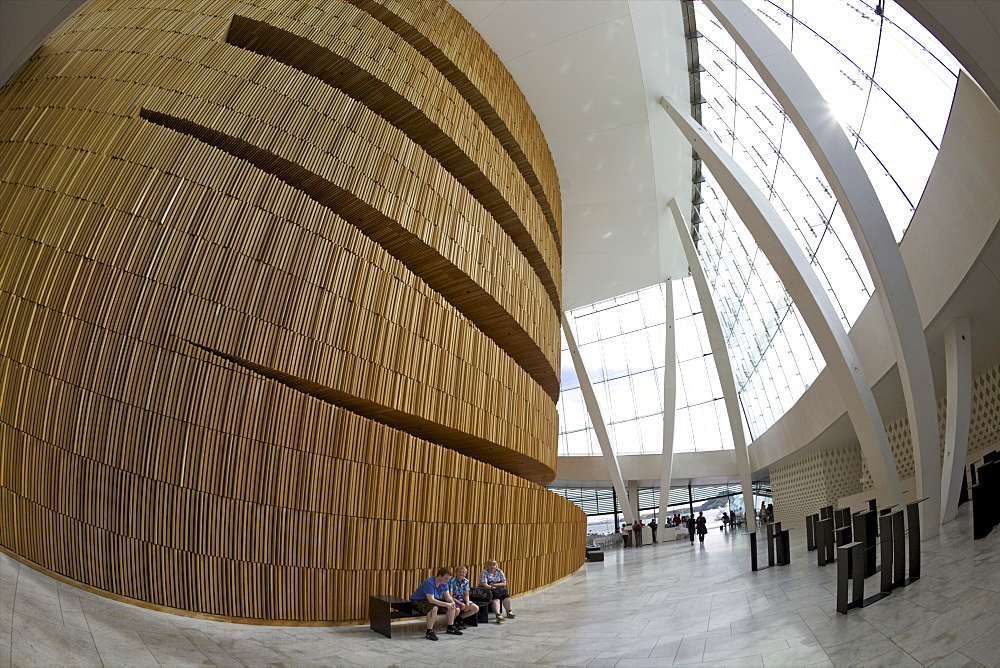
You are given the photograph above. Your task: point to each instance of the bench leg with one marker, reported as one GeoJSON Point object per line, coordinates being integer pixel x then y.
{"type": "Point", "coordinates": [380, 614]}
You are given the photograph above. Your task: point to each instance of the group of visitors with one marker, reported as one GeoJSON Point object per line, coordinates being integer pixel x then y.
{"type": "Point", "coordinates": [632, 533]}
{"type": "Point", "coordinates": [450, 591]}
{"type": "Point", "coordinates": [694, 525]}
{"type": "Point", "coordinates": [766, 513]}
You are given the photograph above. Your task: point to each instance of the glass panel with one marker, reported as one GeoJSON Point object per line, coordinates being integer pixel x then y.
{"type": "Point", "coordinates": [585, 329]}
{"type": "Point", "coordinates": [615, 357]}
{"type": "Point", "coordinates": [572, 410]}
{"type": "Point", "coordinates": [648, 398]}
{"type": "Point", "coordinates": [620, 397]}
{"type": "Point", "coordinates": [890, 84]}
{"type": "Point", "coordinates": [628, 369]}
{"type": "Point", "coordinates": [625, 436]}
{"type": "Point", "coordinates": [637, 350]}
{"type": "Point", "coordinates": [578, 443]}
{"type": "Point", "coordinates": [651, 431]}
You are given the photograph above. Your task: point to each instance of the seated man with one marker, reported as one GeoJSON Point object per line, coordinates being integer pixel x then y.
{"type": "Point", "coordinates": [459, 588]}
{"type": "Point", "coordinates": [433, 594]}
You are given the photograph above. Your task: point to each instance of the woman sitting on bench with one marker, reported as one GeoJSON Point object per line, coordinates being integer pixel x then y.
{"type": "Point", "coordinates": [433, 594]}
{"type": "Point", "coordinates": [492, 578]}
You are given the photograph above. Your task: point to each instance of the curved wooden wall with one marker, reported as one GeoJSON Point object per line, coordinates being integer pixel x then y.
{"type": "Point", "coordinates": [273, 337]}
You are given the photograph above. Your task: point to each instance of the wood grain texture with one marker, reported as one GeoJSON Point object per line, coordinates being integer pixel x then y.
{"type": "Point", "coordinates": [221, 390]}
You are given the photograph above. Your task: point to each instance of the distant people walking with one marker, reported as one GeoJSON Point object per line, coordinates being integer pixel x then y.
{"type": "Point", "coordinates": [701, 525]}
{"type": "Point", "coordinates": [637, 533]}
{"type": "Point", "coordinates": [626, 535]}
{"type": "Point", "coordinates": [690, 526]}
{"type": "Point", "coordinates": [652, 527]}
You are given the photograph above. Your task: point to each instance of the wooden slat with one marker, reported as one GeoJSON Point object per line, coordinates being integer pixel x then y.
{"type": "Point", "coordinates": [212, 385]}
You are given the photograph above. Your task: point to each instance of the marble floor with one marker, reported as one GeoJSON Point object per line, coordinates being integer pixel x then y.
{"type": "Point", "coordinates": [665, 604]}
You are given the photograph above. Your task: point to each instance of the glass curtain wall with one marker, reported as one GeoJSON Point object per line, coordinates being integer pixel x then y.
{"type": "Point", "coordinates": [621, 341]}
{"type": "Point", "coordinates": [891, 85]}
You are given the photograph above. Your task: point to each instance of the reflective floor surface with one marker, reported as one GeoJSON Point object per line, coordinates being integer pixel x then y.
{"type": "Point", "coordinates": [666, 604]}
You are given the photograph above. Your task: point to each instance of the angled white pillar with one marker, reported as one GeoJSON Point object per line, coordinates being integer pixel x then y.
{"type": "Point", "coordinates": [958, 358]}
{"type": "Point", "coordinates": [600, 429]}
{"type": "Point", "coordinates": [669, 399]}
{"type": "Point", "coordinates": [799, 279]}
{"type": "Point", "coordinates": [633, 497]}
{"type": "Point", "coordinates": [812, 117]}
{"type": "Point", "coordinates": [717, 341]}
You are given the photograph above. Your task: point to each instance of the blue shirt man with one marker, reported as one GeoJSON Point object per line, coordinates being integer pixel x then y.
{"type": "Point", "coordinates": [433, 594]}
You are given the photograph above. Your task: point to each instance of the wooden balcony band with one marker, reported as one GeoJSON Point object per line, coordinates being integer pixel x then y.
{"type": "Point", "coordinates": [485, 98]}
{"type": "Point", "coordinates": [497, 413]}
{"type": "Point", "coordinates": [498, 455]}
{"type": "Point", "coordinates": [337, 71]}
{"type": "Point", "coordinates": [424, 261]}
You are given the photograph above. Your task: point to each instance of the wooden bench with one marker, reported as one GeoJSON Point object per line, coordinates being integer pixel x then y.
{"type": "Point", "coordinates": [384, 608]}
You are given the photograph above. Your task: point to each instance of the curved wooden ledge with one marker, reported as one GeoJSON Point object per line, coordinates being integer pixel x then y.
{"type": "Point", "coordinates": [481, 449]}
{"type": "Point", "coordinates": [467, 296]}
{"type": "Point", "coordinates": [339, 72]}
{"type": "Point", "coordinates": [475, 97]}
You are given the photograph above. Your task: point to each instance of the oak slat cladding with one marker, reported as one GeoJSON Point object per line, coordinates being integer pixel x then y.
{"type": "Point", "coordinates": [338, 71]}
{"type": "Point", "coordinates": [464, 293]}
{"type": "Point", "coordinates": [499, 102]}
{"type": "Point", "coordinates": [135, 461]}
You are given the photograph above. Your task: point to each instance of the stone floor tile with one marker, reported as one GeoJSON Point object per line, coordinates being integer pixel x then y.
{"type": "Point", "coordinates": [934, 640]}
{"type": "Point", "coordinates": [800, 655]}
{"type": "Point", "coordinates": [721, 651]}
{"type": "Point", "coordinates": [690, 651]}
{"type": "Point", "coordinates": [866, 648]}
{"type": "Point", "coordinates": [956, 660]}
{"type": "Point", "coordinates": [986, 648]}
{"type": "Point", "coordinates": [38, 643]}
{"type": "Point", "coordinates": [705, 607]}
{"type": "Point", "coordinates": [741, 662]}
{"type": "Point", "coordinates": [174, 649]}
{"type": "Point", "coordinates": [123, 648]}
{"type": "Point", "coordinates": [891, 659]}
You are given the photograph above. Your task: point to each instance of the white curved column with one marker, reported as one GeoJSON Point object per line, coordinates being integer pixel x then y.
{"type": "Point", "coordinates": [600, 429]}
{"type": "Point", "coordinates": [812, 117]}
{"type": "Point", "coordinates": [800, 281]}
{"type": "Point", "coordinates": [958, 358]}
{"type": "Point", "coordinates": [717, 341]}
{"type": "Point", "coordinates": [669, 398]}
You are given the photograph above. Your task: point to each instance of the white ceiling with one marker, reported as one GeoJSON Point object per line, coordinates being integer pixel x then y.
{"type": "Point", "coordinates": [593, 73]}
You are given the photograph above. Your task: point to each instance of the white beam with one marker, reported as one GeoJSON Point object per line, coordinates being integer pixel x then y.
{"type": "Point", "coordinates": [812, 117]}
{"type": "Point", "coordinates": [958, 358]}
{"type": "Point", "coordinates": [669, 398]}
{"type": "Point", "coordinates": [799, 279]}
{"type": "Point", "coordinates": [717, 341]}
{"type": "Point", "coordinates": [600, 429]}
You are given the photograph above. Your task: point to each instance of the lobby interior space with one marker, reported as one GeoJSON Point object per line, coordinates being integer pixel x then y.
{"type": "Point", "coordinates": [302, 300]}
{"type": "Point", "coordinates": [659, 605]}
